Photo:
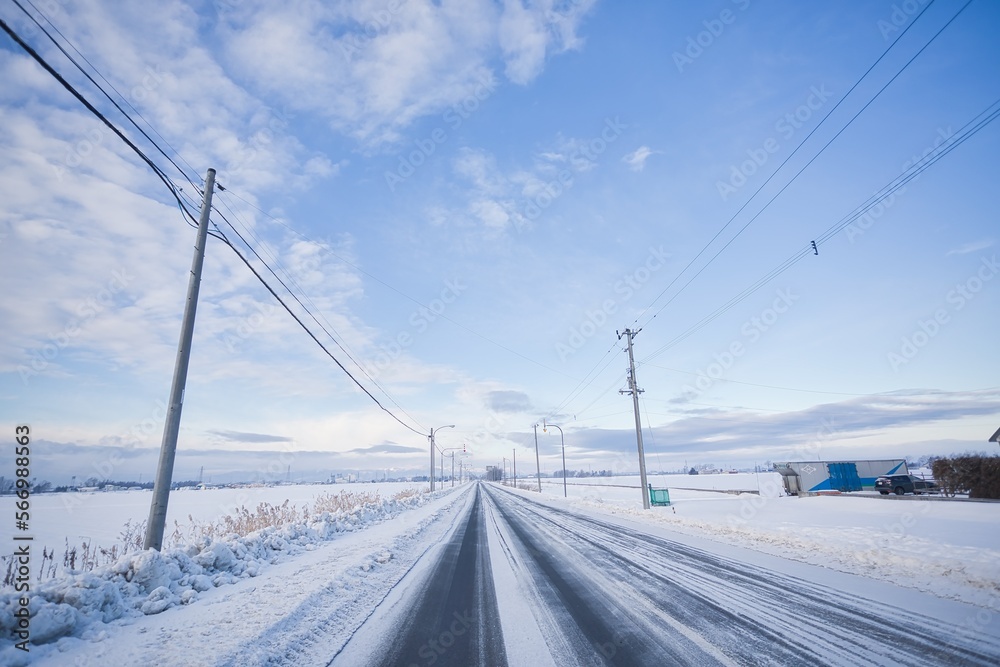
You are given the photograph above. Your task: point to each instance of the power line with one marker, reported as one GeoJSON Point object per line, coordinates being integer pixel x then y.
{"type": "Point", "coordinates": [264, 246]}
{"type": "Point", "coordinates": [804, 167]}
{"type": "Point", "coordinates": [315, 319]}
{"type": "Point", "coordinates": [616, 383]}
{"type": "Point", "coordinates": [404, 294]}
{"type": "Point", "coordinates": [90, 107]}
{"type": "Point", "coordinates": [91, 79]}
{"type": "Point", "coordinates": [111, 85]}
{"type": "Point", "coordinates": [795, 258]}
{"type": "Point", "coordinates": [966, 132]}
{"type": "Point", "coordinates": [969, 130]}
{"type": "Point", "coordinates": [582, 385]}
{"type": "Point", "coordinates": [317, 340]}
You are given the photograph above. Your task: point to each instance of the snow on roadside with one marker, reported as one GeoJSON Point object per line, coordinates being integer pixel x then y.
{"type": "Point", "coordinates": [949, 549]}
{"type": "Point", "coordinates": [149, 582]}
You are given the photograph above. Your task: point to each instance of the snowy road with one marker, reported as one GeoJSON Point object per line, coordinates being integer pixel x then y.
{"type": "Point", "coordinates": [451, 618]}
{"type": "Point", "coordinates": [570, 589]}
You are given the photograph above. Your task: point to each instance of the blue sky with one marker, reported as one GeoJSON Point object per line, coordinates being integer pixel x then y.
{"type": "Point", "coordinates": [473, 197]}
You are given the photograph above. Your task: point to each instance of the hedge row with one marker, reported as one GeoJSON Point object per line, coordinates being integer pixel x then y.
{"type": "Point", "coordinates": [978, 475]}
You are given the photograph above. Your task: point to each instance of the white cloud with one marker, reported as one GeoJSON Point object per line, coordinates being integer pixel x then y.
{"type": "Point", "coordinates": [967, 248]}
{"type": "Point", "coordinates": [500, 200]}
{"type": "Point", "coordinates": [528, 31]}
{"type": "Point", "coordinates": [636, 160]}
{"type": "Point", "coordinates": [372, 68]}
{"type": "Point", "coordinates": [80, 208]}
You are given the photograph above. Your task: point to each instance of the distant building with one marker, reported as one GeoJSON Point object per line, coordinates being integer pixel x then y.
{"type": "Point", "coordinates": [815, 476]}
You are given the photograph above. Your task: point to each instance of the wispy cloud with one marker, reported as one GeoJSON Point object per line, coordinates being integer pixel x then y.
{"type": "Point", "coordinates": [529, 30]}
{"type": "Point", "coordinates": [387, 448]}
{"type": "Point", "coordinates": [238, 436]}
{"type": "Point", "coordinates": [373, 69]}
{"type": "Point", "coordinates": [508, 401]}
{"type": "Point", "coordinates": [715, 432]}
{"type": "Point", "coordinates": [636, 160]}
{"type": "Point", "coordinates": [970, 247]}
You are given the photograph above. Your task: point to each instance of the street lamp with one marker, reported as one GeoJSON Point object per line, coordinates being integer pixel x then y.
{"type": "Point", "coordinates": [431, 437]}
{"type": "Point", "coordinates": [562, 438]}
{"type": "Point", "coordinates": [452, 455]}
{"type": "Point", "coordinates": [538, 466]}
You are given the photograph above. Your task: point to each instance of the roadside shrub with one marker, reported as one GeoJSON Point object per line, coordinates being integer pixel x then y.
{"type": "Point", "coordinates": [975, 474]}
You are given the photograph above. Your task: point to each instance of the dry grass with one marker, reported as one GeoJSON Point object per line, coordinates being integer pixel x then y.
{"type": "Point", "coordinates": [86, 557]}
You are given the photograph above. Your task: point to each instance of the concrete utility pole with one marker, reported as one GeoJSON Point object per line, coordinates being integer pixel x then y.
{"type": "Point", "coordinates": [635, 391]}
{"type": "Point", "coordinates": [538, 466]}
{"type": "Point", "coordinates": [514, 468]}
{"type": "Point", "coordinates": [171, 428]}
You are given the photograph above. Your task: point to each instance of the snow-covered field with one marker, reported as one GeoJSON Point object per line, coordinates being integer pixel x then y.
{"type": "Point", "coordinates": [948, 548]}
{"type": "Point", "coordinates": [767, 483]}
{"type": "Point", "coordinates": [336, 565]}
{"type": "Point", "coordinates": [98, 517]}
{"type": "Point", "coordinates": [77, 604]}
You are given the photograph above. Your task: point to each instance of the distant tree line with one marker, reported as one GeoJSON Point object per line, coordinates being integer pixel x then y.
{"type": "Point", "coordinates": [583, 473]}
{"type": "Point", "coordinates": [44, 486]}
{"type": "Point", "coordinates": [975, 474]}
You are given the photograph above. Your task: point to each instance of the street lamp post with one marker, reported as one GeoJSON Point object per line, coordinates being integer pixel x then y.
{"type": "Point", "coordinates": [538, 466]}
{"type": "Point", "coordinates": [562, 439]}
{"type": "Point", "coordinates": [452, 455]}
{"type": "Point", "coordinates": [431, 437]}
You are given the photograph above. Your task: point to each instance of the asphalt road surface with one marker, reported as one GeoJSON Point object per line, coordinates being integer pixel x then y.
{"type": "Point", "coordinates": [450, 618]}
{"type": "Point", "coordinates": [603, 594]}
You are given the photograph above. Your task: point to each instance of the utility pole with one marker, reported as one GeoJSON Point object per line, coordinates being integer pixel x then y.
{"type": "Point", "coordinates": [514, 466]}
{"type": "Point", "coordinates": [538, 466]}
{"type": "Point", "coordinates": [171, 428]}
{"type": "Point", "coordinates": [633, 389]}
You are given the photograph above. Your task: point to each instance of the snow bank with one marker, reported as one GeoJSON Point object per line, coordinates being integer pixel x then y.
{"type": "Point", "coordinates": [149, 582]}
{"type": "Point", "coordinates": [948, 548]}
